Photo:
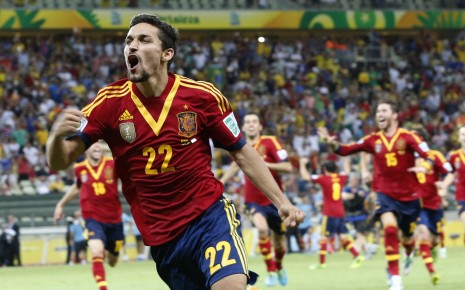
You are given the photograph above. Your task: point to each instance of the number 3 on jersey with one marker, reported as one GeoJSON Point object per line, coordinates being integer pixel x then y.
{"type": "Point", "coordinates": [152, 154]}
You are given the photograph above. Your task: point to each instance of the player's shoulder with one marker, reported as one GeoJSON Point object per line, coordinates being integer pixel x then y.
{"type": "Point", "coordinates": [79, 164]}
{"type": "Point", "coordinates": [110, 93]}
{"type": "Point", "coordinates": [454, 152]}
{"type": "Point", "coordinates": [118, 88]}
{"type": "Point", "coordinates": [202, 89]}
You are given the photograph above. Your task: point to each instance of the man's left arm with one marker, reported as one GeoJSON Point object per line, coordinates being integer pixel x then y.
{"type": "Point", "coordinates": [250, 162]}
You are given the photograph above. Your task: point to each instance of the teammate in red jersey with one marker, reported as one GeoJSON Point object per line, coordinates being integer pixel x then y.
{"type": "Point", "coordinates": [263, 213]}
{"type": "Point", "coordinates": [457, 160]}
{"type": "Point", "coordinates": [158, 126]}
{"type": "Point", "coordinates": [96, 182]}
{"type": "Point", "coordinates": [431, 189]}
{"type": "Point", "coordinates": [394, 181]}
{"type": "Point", "coordinates": [333, 213]}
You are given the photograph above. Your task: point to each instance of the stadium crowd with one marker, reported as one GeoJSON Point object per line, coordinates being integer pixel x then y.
{"type": "Point", "coordinates": [295, 85]}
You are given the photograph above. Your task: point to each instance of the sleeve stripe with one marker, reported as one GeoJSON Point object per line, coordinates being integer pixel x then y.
{"type": "Point", "coordinates": [222, 101]}
{"type": "Point", "coordinates": [275, 142]}
{"type": "Point", "coordinates": [112, 89]}
{"type": "Point", "coordinates": [223, 98]}
{"type": "Point", "coordinates": [196, 86]}
{"type": "Point", "coordinates": [440, 156]}
{"type": "Point", "coordinates": [100, 98]}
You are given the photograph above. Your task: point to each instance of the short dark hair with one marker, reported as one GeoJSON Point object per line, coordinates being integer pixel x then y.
{"type": "Point", "coordinates": [330, 166]}
{"type": "Point", "coordinates": [260, 119]}
{"type": "Point", "coordinates": [393, 104]}
{"type": "Point", "coordinates": [168, 35]}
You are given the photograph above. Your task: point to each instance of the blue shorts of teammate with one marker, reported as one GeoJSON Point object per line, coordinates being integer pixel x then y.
{"type": "Point", "coordinates": [407, 212]}
{"type": "Point", "coordinates": [270, 212]}
{"type": "Point", "coordinates": [361, 223]}
{"type": "Point", "coordinates": [461, 206]}
{"type": "Point", "coordinates": [210, 249]}
{"type": "Point", "coordinates": [112, 235]}
{"type": "Point", "coordinates": [433, 219]}
{"type": "Point", "coordinates": [333, 225]}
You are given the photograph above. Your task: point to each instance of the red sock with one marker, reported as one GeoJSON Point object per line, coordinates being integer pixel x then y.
{"type": "Point", "coordinates": [278, 256]}
{"type": "Point", "coordinates": [441, 239]}
{"type": "Point", "coordinates": [265, 248]}
{"type": "Point", "coordinates": [425, 252]}
{"type": "Point", "coordinates": [391, 247]}
{"type": "Point", "coordinates": [332, 245]}
{"type": "Point", "coordinates": [349, 246]}
{"type": "Point", "coordinates": [99, 272]}
{"type": "Point", "coordinates": [323, 247]}
{"type": "Point", "coordinates": [409, 247]}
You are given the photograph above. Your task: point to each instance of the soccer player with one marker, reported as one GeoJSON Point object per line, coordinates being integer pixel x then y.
{"type": "Point", "coordinates": [431, 216]}
{"type": "Point", "coordinates": [263, 213]}
{"type": "Point", "coordinates": [158, 126]}
{"type": "Point", "coordinates": [394, 181]}
{"type": "Point", "coordinates": [354, 199]}
{"type": "Point", "coordinates": [96, 183]}
{"type": "Point", "coordinates": [457, 160]}
{"type": "Point", "coordinates": [333, 222]}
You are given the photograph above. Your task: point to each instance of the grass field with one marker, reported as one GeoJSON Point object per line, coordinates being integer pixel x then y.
{"type": "Point", "coordinates": [338, 276]}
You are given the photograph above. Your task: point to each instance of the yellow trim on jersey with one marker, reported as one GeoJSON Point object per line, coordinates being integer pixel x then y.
{"type": "Point", "coordinates": [274, 139]}
{"type": "Point", "coordinates": [415, 136]}
{"type": "Point", "coordinates": [238, 241]}
{"type": "Point", "coordinates": [223, 103]}
{"type": "Point", "coordinates": [439, 155]}
{"type": "Point", "coordinates": [387, 143]}
{"type": "Point", "coordinates": [391, 258]}
{"type": "Point", "coordinates": [116, 92]}
{"type": "Point", "coordinates": [96, 175]}
{"type": "Point", "coordinates": [156, 126]}
{"type": "Point", "coordinates": [462, 156]}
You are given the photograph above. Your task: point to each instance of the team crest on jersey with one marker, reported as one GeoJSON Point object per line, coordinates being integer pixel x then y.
{"type": "Point", "coordinates": [127, 131]}
{"type": "Point", "coordinates": [187, 124]}
{"type": "Point", "coordinates": [108, 173]}
{"type": "Point", "coordinates": [378, 146]}
{"type": "Point", "coordinates": [84, 176]}
{"type": "Point", "coordinates": [401, 145]}
{"type": "Point", "coordinates": [261, 150]}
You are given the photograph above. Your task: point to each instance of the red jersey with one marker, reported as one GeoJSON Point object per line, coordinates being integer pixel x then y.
{"type": "Point", "coordinates": [99, 197]}
{"type": "Point", "coordinates": [457, 160]}
{"type": "Point", "coordinates": [272, 151]}
{"type": "Point", "coordinates": [392, 156]}
{"type": "Point", "coordinates": [332, 186]}
{"type": "Point", "coordinates": [427, 189]}
{"type": "Point", "coordinates": [161, 149]}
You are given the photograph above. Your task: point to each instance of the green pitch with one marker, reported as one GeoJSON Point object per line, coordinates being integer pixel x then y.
{"type": "Point", "coordinates": [142, 275]}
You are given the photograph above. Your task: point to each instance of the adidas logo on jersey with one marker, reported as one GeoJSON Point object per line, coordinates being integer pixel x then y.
{"type": "Point", "coordinates": [125, 116]}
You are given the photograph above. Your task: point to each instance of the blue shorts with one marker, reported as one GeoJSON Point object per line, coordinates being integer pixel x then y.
{"type": "Point", "coordinates": [210, 249]}
{"type": "Point", "coordinates": [112, 235]}
{"type": "Point", "coordinates": [270, 212]}
{"type": "Point", "coordinates": [333, 225]}
{"type": "Point", "coordinates": [407, 212]}
{"type": "Point", "coordinates": [461, 206]}
{"type": "Point", "coordinates": [433, 219]}
{"type": "Point", "coordinates": [361, 223]}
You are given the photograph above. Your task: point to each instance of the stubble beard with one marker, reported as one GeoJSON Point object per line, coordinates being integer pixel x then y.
{"type": "Point", "coordinates": [144, 76]}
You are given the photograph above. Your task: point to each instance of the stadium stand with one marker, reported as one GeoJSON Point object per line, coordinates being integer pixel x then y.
{"type": "Point", "coordinates": [296, 83]}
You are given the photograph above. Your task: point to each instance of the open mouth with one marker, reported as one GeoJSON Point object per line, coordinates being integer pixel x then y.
{"type": "Point", "coordinates": [133, 61]}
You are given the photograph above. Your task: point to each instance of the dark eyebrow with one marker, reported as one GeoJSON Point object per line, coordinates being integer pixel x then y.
{"type": "Point", "coordinates": [142, 35]}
